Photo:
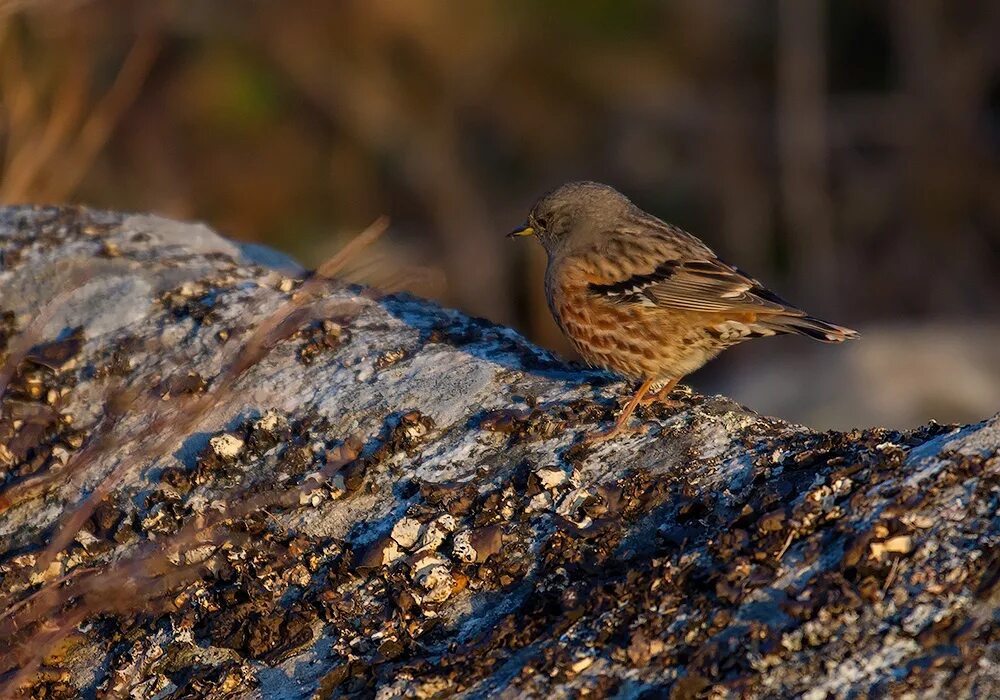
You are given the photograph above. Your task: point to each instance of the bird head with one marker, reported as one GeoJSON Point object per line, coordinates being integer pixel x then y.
{"type": "Point", "coordinates": [572, 214]}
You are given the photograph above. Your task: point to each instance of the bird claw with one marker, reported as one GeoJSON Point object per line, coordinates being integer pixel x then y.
{"type": "Point", "coordinates": [597, 437]}
{"type": "Point", "coordinates": [662, 397]}
{"type": "Point", "coordinates": [621, 426]}
{"type": "Point", "coordinates": [666, 403]}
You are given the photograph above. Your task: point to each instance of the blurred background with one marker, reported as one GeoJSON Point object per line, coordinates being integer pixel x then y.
{"type": "Point", "coordinates": [845, 152]}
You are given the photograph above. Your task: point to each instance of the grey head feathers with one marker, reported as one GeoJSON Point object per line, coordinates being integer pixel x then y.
{"type": "Point", "coordinates": [577, 212]}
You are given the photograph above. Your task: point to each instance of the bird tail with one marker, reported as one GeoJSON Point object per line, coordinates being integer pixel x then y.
{"type": "Point", "coordinates": [812, 327]}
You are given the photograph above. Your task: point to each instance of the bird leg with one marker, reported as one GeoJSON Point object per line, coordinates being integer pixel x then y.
{"type": "Point", "coordinates": [663, 395]}
{"type": "Point", "coordinates": [626, 413]}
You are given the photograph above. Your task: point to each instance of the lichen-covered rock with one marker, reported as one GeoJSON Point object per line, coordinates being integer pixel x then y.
{"type": "Point", "coordinates": [219, 478]}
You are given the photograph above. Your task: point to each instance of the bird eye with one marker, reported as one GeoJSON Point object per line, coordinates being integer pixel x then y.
{"type": "Point", "coordinates": [540, 223]}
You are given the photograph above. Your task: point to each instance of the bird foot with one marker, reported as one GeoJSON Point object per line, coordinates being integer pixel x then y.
{"type": "Point", "coordinates": [622, 427]}
{"type": "Point", "coordinates": [599, 436]}
{"type": "Point", "coordinates": [640, 399]}
{"type": "Point", "coordinates": [662, 397]}
{"type": "Point", "coordinates": [665, 402]}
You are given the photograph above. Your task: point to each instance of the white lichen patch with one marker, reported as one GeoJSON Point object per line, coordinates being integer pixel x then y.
{"type": "Point", "coordinates": [462, 547]}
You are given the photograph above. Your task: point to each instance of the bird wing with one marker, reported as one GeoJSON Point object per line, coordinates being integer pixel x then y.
{"type": "Point", "coordinates": [707, 285]}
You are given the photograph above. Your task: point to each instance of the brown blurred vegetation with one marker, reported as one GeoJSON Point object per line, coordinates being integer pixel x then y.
{"type": "Point", "coordinates": [846, 152]}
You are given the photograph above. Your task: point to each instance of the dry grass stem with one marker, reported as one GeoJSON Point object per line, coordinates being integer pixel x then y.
{"type": "Point", "coordinates": [374, 231]}
{"type": "Point", "coordinates": [50, 150]}
{"type": "Point", "coordinates": [106, 114]}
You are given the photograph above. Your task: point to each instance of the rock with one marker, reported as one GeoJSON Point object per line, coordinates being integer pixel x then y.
{"type": "Point", "coordinates": [406, 532]}
{"type": "Point", "coordinates": [226, 446]}
{"type": "Point", "coordinates": [219, 478]}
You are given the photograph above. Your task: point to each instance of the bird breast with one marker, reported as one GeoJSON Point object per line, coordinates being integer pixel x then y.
{"type": "Point", "coordinates": [637, 341]}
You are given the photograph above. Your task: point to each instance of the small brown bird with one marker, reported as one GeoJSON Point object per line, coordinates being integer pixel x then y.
{"type": "Point", "coordinates": [645, 299]}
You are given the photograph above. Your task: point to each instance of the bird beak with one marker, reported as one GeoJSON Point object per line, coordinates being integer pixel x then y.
{"type": "Point", "coordinates": [522, 231]}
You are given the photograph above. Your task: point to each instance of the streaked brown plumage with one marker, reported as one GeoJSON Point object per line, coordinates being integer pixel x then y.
{"type": "Point", "coordinates": [645, 299]}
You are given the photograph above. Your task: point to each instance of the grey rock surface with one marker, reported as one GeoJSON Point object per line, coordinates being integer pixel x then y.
{"type": "Point", "coordinates": [221, 479]}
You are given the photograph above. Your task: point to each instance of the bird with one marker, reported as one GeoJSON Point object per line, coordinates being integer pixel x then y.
{"type": "Point", "coordinates": [645, 299]}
